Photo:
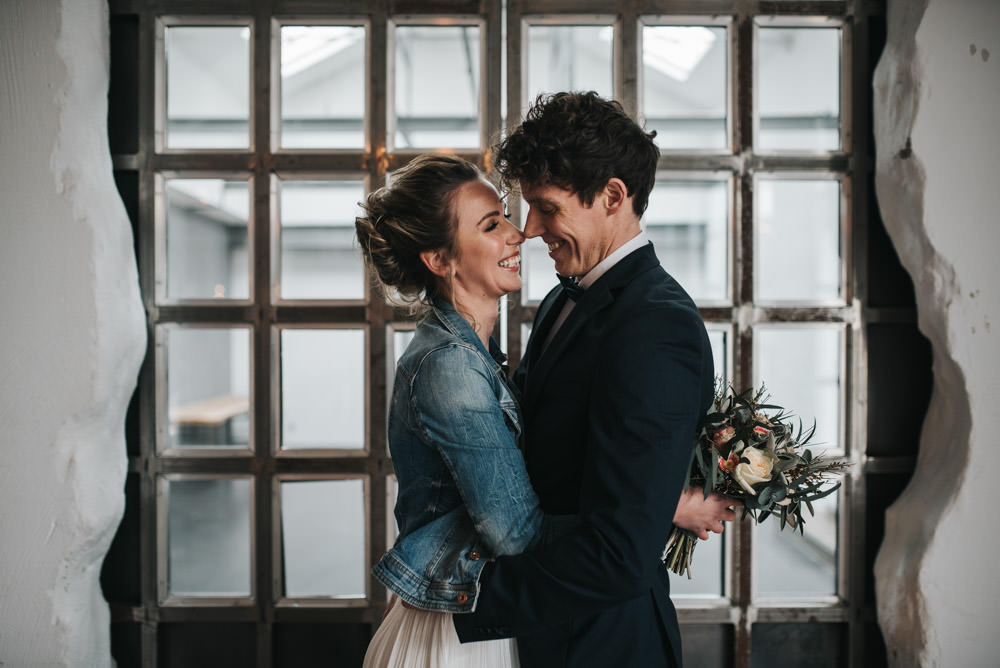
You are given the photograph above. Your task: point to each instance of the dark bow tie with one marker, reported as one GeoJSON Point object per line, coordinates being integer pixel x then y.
{"type": "Point", "coordinates": [573, 289]}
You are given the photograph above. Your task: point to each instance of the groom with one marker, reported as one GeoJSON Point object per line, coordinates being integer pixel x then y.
{"type": "Point", "coordinates": [616, 374]}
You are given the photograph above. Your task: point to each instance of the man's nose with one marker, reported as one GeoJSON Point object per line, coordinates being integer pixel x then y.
{"type": "Point", "coordinates": [532, 225]}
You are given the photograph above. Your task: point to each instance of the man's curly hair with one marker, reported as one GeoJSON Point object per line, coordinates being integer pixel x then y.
{"type": "Point", "coordinates": [578, 141]}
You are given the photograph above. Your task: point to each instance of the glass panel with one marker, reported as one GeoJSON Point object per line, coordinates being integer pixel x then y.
{"type": "Point", "coordinates": [562, 58]}
{"type": "Point", "coordinates": [307, 644]}
{"type": "Point", "coordinates": [798, 240]}
{"type": "Point", "coordinates": [538, 273]}
{"type": "Point", "coordinates": [688, 223]}
{"type": "Point", "coordinates": [319, 257]}
{"type": "Point", "coordinates": [323, 388]}
{"type": "Point", "coordinates": [208, 387]}
{"type": "Point", "coordinates": [718, 339]}
{"type": "Point", "coordinates": [788, 564]}
{"type": "Point", "coordinates": [206, 238]}
{"type": "Point", "coordinates": [391, 525]}
{"type": "Point", "coordinates": [207, 86]}
{"type": "Point", "coordinates": [400, 339]}
{"type": "Point", "coordinates": [323, 538]}
{"type": "Point", "coordinates": [708, 645]}
{"type": "Point", "coordinates": [197, 643]}
{"type": "Point", "coordinates": [208, 537]}
{"type": "Point", "coordinates": [798, 76]}
{"type": "Point", "coordinates": [322, 86]}
{"type": "Point", "coordinates": [809, 644]}
{"type": "Point", "coordinates": [437, 87]}
{"type": "Point", "coordinates": [707, 571]}
{"type": "Point", "coordinates": [684, 86]}
{"type": "Point", "coordinates": [801, 367]}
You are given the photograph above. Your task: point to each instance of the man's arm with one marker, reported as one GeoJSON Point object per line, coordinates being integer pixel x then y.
{"type": "Point", "coordinates": [645, 404]}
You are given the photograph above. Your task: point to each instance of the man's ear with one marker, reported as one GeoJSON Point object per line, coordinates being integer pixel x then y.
{"type": "Point", "coordinates": [436, 261]}
{"type": "Point", "coordinates": [615, 195]}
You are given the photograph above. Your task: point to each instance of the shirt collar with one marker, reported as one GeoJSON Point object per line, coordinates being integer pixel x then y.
{"type": "Point", "coordinates": [633, 244]}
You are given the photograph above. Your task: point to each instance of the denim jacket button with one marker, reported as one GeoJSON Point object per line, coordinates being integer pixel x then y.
{"type": "Point", "coordinates": [474, 555]}
{"type": "Point", "coordinates": [462, 597]}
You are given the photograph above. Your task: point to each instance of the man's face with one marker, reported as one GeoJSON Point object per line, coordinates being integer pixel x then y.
{"type": "Point", "coordinates": [578, 236]}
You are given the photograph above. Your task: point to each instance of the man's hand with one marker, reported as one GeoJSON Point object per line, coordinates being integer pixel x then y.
{"type": "Point", "coordinates": [700, 515]}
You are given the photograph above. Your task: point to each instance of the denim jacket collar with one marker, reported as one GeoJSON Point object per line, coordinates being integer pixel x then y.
{"type": "Point", "coordinates": [454, 322]}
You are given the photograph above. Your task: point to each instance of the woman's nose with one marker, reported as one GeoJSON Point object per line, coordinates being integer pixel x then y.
{"type": "Point", "coordinates": [515, 237]}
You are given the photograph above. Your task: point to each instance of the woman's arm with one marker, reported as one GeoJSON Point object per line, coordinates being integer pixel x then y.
{"type": "Point", "coordinates": [456, 411]}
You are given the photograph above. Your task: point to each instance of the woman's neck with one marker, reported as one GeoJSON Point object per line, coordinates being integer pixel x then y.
{"type": "Point", "coordinates": [481, 312]}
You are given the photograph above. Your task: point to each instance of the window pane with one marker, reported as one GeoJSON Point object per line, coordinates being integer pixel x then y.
{"type": "Point", "coordinates": [708, 645]}
{"type": "Point", "coordinates": [810, 644]}
{"type": "Point", "coordinates": [684, 86]}
{"type": "Point", "coordinates": [798, 76]}
{"type": "Point", "coordinates": [801, 367]}
{"type": "Point", "coordinates": [319, 258]}
{"type": "Point", "coordinates": [323, 388]}
{"type": "Point", "coordinates": [538, 273]}
{"type": "Point", "coordinates": [208, 537]}
{"type": "Point", "coordinates": [437, 87]}
{"type": "Point", "coordinates": [788, 564]}
{"type": "Point", "coordinates": [719, 340]}
{"type": "Point", "coordinates": [688, 223]}
{"type": "Point", "coordinates": [206, 238]}
{"type": "Point", "coordinates": [323, 536]}
{"type": "Point", "coordinates": [207, 86]}
{"type": "Point", "coordinates": [707, 572]}
{"type": "Point", "coordinates": [798, 241]}
{"type": "Point", "coordinates": [562, 58]}
{"type": "Point", "coordinates": [207, 387]}
{"type": "Point", "coordinates": [322, 86]}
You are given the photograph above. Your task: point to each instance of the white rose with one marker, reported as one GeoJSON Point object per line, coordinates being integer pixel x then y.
{"type": "Point", "coordinates": [756, 469]}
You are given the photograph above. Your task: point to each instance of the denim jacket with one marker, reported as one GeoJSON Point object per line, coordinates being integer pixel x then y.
{"type": "Point", "coordinates": [464, 494]}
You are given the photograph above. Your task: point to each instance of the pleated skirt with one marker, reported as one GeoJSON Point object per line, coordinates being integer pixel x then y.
{"type": "Point", "coordinates": [412, 638]}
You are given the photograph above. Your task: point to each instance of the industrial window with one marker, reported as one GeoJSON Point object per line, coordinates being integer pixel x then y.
{"type": "Point", "coordinates": [244, 135]}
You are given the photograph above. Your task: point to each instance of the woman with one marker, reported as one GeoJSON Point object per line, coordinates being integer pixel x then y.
{"type": "Point", "coordinates": [437, 239]}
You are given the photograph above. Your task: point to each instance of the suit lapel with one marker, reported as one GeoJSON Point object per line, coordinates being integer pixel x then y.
{"type": "Point", "coordinates": [596, 298]}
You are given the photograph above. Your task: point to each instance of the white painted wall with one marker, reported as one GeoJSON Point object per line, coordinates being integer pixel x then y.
{"type": "Point", "coordinates": [73, 333]}
{"type": "Point", "coordinates": [938, 84]}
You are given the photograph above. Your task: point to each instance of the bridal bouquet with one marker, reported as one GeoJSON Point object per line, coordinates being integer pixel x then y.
{"type": "Point", "coordinates": [745, 450]}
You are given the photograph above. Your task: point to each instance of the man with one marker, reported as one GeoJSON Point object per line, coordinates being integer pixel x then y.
{"type": "Point", "coordinates": [614, 379]}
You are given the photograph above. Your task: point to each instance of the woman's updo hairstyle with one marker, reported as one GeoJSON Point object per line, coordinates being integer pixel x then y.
{"type": "Point", "coordinates": [411, 215]}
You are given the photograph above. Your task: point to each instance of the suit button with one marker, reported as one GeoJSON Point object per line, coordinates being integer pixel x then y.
{"type": "Point", "coordinates": [474, 555]}
{"type": "Point", "coordinates": [462, 597]}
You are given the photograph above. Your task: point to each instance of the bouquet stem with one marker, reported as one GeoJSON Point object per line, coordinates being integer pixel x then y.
{"type": "Point", "coordinates": [680, 550]}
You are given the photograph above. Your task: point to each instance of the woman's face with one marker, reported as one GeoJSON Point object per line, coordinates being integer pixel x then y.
{"type": "Point", "coordinates": [488, 246]}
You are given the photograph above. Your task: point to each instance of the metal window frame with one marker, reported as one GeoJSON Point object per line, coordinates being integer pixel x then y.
{"type": "Point", "coordinates": [264, 161]}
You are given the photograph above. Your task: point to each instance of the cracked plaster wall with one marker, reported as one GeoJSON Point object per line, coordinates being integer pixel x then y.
{"type": "Point", "coordinates": [73, 333]}
{"type": "Point", "coordinates": [937, 106]}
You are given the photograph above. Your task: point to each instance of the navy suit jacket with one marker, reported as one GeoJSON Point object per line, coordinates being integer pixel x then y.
{"type": "Point", "coordinates": [610, 410]}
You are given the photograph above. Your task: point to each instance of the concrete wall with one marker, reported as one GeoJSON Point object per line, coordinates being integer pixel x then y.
{"type": "Point", "coordinates": [937, 95]}
{"type": "Point", "coordinates": [72, 329]}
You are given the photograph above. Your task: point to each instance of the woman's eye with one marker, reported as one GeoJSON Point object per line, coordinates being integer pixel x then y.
{"type": "Point", "coordinates": [492, 225]}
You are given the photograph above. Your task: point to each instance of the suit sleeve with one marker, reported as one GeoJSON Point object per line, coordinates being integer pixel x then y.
{"type": "Point", "coordinates": [642, 414]}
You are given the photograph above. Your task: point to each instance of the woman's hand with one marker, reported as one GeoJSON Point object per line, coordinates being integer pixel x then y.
{"type": "Point", "coordinates": [701, 515]}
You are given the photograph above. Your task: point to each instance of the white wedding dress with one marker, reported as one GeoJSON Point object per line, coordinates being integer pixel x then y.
{"type": "Point", "coordinates": [414, 638]}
